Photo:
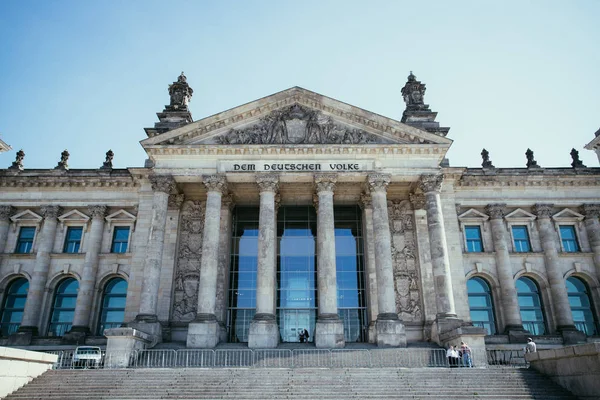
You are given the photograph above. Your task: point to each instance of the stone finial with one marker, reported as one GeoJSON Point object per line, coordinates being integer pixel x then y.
{"type": "Point", "coordinates": [576, 161]}
{"type": "Point", "coordinates": [325, 182]}
{"type": "Point", "coordinates": [6, 212]}
{"type": "Point", "coordinates": [64, 160]}
{"type": "Point", "coordinates": [531, 163]}
{"type": "Point", "coordinates": [413, 93]}
{"type": "Point", "coordinates": [18, 163]}
{"type": "Point", "coordinates": [431, 183]}
{"type": "Point", "coordinates": [268, 183]}
{"type": "Point", "coordinates": [216, 183]}
{"type": "Point", "coordinates": [378, 182]}
{"type": "Point", "coordinates": [495, 210]}
{"type": "Point", "coordinates": [417, 200]}
{"type": "Point", "coordinates": [50, 211]}
{"type": "Point", "coordinates": [543, 210]}
{"type": "Point", "coordinates": [485, 155]}
{"type": "Point", "coordinates": [98, 210]}
{"type": "Point", "coordinates": [590, 210]}
{"type": "Point", "coordinates": [180, 93]}
{"type": "Point", "coordinates": [162, 183]}
{"type": "Point", "coordinates": [107, 164]}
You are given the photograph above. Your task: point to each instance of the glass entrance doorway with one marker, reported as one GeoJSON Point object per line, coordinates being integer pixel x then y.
{"type": "Point", "coordinates": [292, 322]}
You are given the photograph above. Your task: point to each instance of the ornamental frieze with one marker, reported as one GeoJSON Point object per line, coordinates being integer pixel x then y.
{"type": "Point", "coordinates": [296, 124]}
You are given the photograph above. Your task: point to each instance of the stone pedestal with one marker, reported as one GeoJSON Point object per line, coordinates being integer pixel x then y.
{"type": "Point", "coordinates": [390, 333]}
{"type": "Point", "coordinates": [203, 334]}
{"type": "Point", "coordinates": [122, 345]}
{"type": "Point", "coordinates": [264, 332]}
{"type": "Point", "coordinates": [453, 331]}
{"type": "Point", "coordinates": [329, 333]}
{"type": "Point", "coordinates": [148, 324]}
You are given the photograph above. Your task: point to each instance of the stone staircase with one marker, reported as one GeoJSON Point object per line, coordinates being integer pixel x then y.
{"type": "Point", "coordinates": [298, 384]}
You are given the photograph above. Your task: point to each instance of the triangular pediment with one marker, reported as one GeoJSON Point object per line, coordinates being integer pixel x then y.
{"type": "Point", "coordinates": [74, 216]}
{"type": "Point", "coordinates": [473, 215]}
{"type": "Point", "coordinates": [295, 117]}
{"type": "Point", "coordinates": [567, 215]}
{"type": "Point", "coordinates": [26, 216]}
{"type": "Point", "coordinates": [520, 215]}
{"type": "Point", "coordinates": [121, 216]}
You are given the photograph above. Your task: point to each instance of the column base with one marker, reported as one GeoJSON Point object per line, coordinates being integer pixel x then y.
{"type": "Point", "coordinates": [149, 324]}
{"type": "Point", "coordinates": [372, 332]}
{"type": "Point", "coordinates": [76, 335]}
{"type": "Point", "coordinates": [203, 333]}
{"type": "Point", "coordinates": [390, 331]}
{"type": "Point", "coordinates": [264, 332]}
{"type": "Point", "coordinates": [23, 336]}
{"type": "Point", "coordinates": [329, 333]}
{"type": "Point", "coordinates": [454, 331]}
{"type": "Point", "coordinates": [122, 344]}
{"type": "Point", "coordinates": [516, 333]}
{"type": "Point", "coordinates": [571, 335]}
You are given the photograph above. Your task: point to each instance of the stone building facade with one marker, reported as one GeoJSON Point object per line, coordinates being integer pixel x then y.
{"type": "Point", "coordinates": [292, 212]}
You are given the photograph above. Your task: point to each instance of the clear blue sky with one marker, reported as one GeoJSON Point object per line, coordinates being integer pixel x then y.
{"type": "Point", "coordinates": [505, 75]}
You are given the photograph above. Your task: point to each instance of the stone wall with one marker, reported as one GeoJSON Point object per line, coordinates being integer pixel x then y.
{"type": "Point", "coordinates": [18, 367]}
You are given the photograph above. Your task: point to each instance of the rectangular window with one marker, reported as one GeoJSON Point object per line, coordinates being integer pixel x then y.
{"type": "Point", "coordinates": [25, 241]}
{"type": "Point", "coordinates": [120, 239]}
{"type": "Point", "coordinates": [73, 240]}
{"type": "Point", "coordinates": [569, 239]}
{"type": "Point", "coordinates": [474, 242]}
{"type": "Point", "coordinates": [521, 239]}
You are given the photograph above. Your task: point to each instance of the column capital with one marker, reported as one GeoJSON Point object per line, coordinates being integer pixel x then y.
{"type": "Point", "coordinates": [495, 210]}
{"type": "Point", "coordinates": [97, 210]}
{"type": "Point", "coordinates": [162, 183]}
{"type": "Point", "coordinates": [417, 200]}
{"type": "Point", "coordinates": [227, 201]}
{"type": "Point", "coordinates": [431, 183]}
{"type": "Point", "coordinates": [365, 202]}
{"type": "Point", "coordinates": [215, 183]}
{"type": "Point", "coordinates": [325, 182]}
{"type": "Point", "coordinates": [543, 210]}
{"type": "Point", "coordinates": [268, 183]}
{"type": "Point", "coordinates": [50, 211]}
{"type": "Point", "coordinates": [175, 201]}
{"type": "Point", "coordinates": [6, 212]}
{"type": "Point", "coordinates": [378, 182]}
{"type": "Point", "coordinates": [590, 210]}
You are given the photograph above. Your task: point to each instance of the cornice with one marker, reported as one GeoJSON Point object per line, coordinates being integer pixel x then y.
{"type": "Point", "coordinates": [78, 178]}
{"type": "Point", "coordinates": [556, 177]}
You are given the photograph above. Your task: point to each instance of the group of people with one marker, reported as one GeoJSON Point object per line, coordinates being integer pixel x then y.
{"type": "Point", "coordinates": [459, 357]}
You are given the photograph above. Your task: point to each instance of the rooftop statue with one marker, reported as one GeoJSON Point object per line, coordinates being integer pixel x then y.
{"type": "Point", "coordinates": [180, 93]}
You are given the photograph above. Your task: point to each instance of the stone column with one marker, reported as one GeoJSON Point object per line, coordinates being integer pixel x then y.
{"type": "Point", "coordinates": [558, 287]}
{"type": "Point", "coordinates": [45, 242]}
{"type": "Point", "coordinates": [329, 330]}
{"type": "Point", "coordinates": [203, 332]}
{"type": "Point", "coordinates": [83, 307]}
{"type": "Point", "coordinates": [513, 325]}
{"type": "Point", "coordinates": [5, 213]}
{"type": "Point", "coordinates": [264, 332]}
{"type": "Point", "coordinates": [224, 265]}
{"type": "Point", "coordinates": [371, 270]}
{"type": "Point", "coordinates": [592, 225]}
{"type": "Point", "coordinates": [431, 186]}
{"type": "Point", "coordinates": [390, 330]}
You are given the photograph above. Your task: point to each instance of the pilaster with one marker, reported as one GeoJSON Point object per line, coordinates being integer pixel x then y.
{"type": "Point", "coordinates": [592, 225]}
{"type": "Point", "coordinates": [5, 213]}
{"type": "Point", "coordinates": [371, 270]}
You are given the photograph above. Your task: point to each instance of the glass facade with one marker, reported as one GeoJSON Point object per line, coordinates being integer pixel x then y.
{"type": "Point", "coordinates": [13, 307]}
{"type": "Point", "coordinates": [581, 306]}
{"type": "Point", "coordinates": [481, 305]}
{"type": "Point", "coordinates": [63, 309]}
{"type": "Point", "coordinates": [474, 242]}
{"type": "Point", "coordinates": [112, 313]}
{"type": "Point", "coordinates": [530, 305]}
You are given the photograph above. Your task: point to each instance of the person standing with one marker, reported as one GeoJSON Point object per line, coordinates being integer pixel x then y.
{"type": "Point", "coordinates": [465, 352]}
{"type": "Point", "coordinates": [452, 355]}
{"type": "Point", "coordinates": [530, 347]}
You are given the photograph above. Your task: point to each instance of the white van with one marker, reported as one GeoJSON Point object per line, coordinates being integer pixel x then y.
{"type": "Point", "coordinates": [87, 357]}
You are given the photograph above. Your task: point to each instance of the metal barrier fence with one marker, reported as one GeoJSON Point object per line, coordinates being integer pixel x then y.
{"type": "Point", "coordinates": [288, 358]}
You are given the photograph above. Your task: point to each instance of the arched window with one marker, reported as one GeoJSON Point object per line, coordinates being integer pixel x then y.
{"type": "Point", "coordinates": [581, 306]}
{"type": "Point", "coordinates": [13, 307]}
{"type": "Point", "coordinates": [481, 305]}
{"type": "Point", "coordinates": [531, 306]}
{"type": "Point", "coordinates": [113, 305]}
{"type": "Point", "coordinates": [63, 308]}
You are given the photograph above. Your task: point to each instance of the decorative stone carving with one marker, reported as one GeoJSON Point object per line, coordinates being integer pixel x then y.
{"type": "Point", "coordinates": [215, 183]}
{"type": "Point", "coordinates": [162, 183]}
{"type": "Point", "coordinates": [365, 201]}
{"type": "Point", "coordinates": [180, 93]}
{"type": "Point", "coordinates": [50, 211]}
{"type": "Point", "coordinates": [496, 210]}
{"type": "Point", "coordinates": [431, 183]}
{"type": "Point", "coordinates": [485, 155]}
{"type": "Point", "coordinates": [378, 182]}
{"type": "Point", "coordinates": [187, 272]}
{"type": "Point", "coordinates": [268, 183]}
{"type": "Point", "coordinates": [227, 201]}
{"type": "Point", "coordinates": [6, 212]}
{"type": "Point", "coordinates": [325, 182]}
{"type": "Point", "coordinates": [18, 163]}
{"type": "Point", "coordinates": [400, 216]}
{"type": "Point", "coordinates": [64, 160]}
{"type": "Point", "coordinates": [543, 210]}
{"type": "Point", "coordinates": [107, 164]}
{"type": "Point", "coordinates": [577, 163]}
{"type": "Point", "coordinates": [531, 163]}
{"type": "Point", "coordinates": [297, 124]}
{"type": "Point", "coordinates": [417, 200]}
{"type": "Point", "coordinates": [413, 93]}
{"type": "Point", "coordinates": [175, 201]}
{"type": "Point", "coordinates": [590, 210]}
{"type": "Point", "coordinates": [98, 210]}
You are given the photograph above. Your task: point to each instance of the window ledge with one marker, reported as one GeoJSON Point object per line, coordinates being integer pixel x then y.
{"type": "Point", "coordinates": [19, 255]}
{"type": "Point", "coordinates": [67, 255]}
{"type": "Point", "coordinates": [115, 256]}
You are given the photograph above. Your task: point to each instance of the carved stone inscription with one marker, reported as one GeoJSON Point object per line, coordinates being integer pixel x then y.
{"type": "Point", "coordinates": [406, 272]}
{"type": "Point", "coordinates": [187, 273]}
{"type": "Point", "coordinates": [298, 125]}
